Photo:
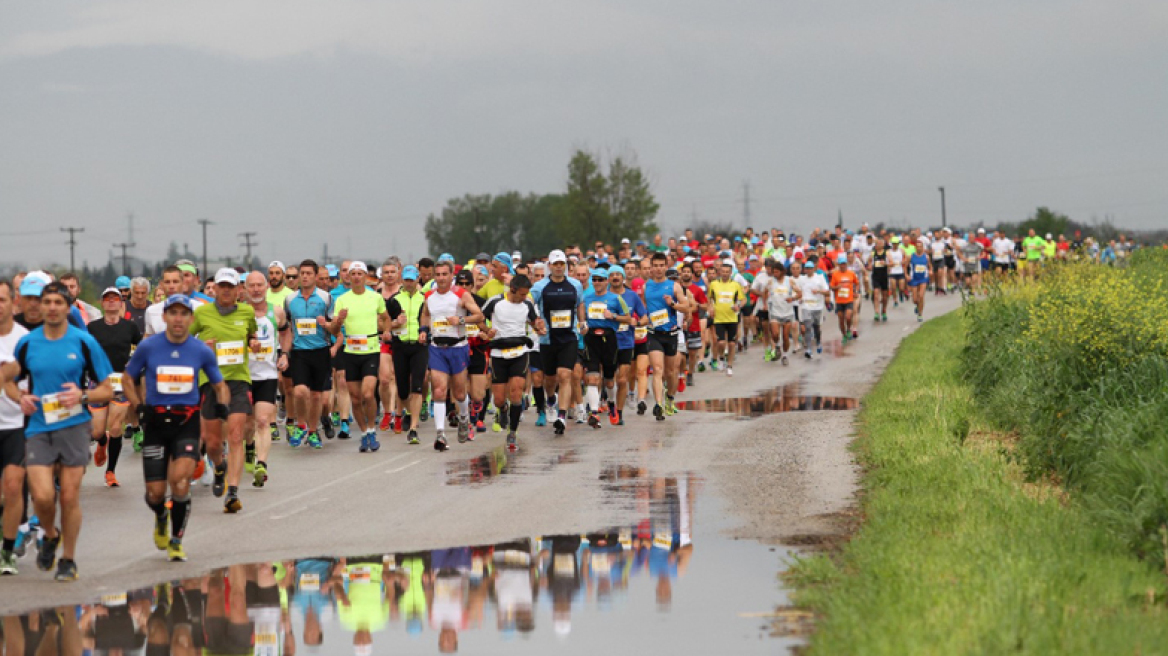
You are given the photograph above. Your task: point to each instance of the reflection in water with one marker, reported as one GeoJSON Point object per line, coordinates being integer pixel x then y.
{"type": "Point", "coordinates": [785, 398]}
{"type": "Point", "coordinates": [499, 461]}
{"type": "Point", "coordinates": [370, 604]}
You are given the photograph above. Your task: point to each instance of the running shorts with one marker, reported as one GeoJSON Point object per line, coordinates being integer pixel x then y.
{"type": "Point", "coordinates": [361, 366]}
{"type": "Point", "coordinates": [11, 448]}
{"type": "Point", "coordinates": [264, 391]}
{"type": "Point", "coordinates": [310, 368]}
{"type": "Point", "coordinates": [410, 362]}
{"type": "Point", "coordinates": [601, 347]}
{"type": "Point", "coordinates": [503, 369]}
{"type": "Point", "coordinates": [450, 360]}
{"type": "Point", "coordinates": [240, 403]}
{"type": "Point", "coordinates": [555, 356]}
{"type": "Point", "coordinates": [68, 446]}
{"type": "Point", "coordinates": [168, 433]}
{"type": "Point", "coordinates": [726, 332]}
{"type": "Point", "coordinates": [663, 341]}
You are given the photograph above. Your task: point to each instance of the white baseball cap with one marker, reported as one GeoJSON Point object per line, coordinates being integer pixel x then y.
{"type": "Point", "coordinates": [358, 265]}
{"type": "Point", "coordinates": [277, 264]}
{"type": "Point", "coordinates": [227, 275]}
{"type": "Point", "coordinates": [557, 256]}
{"type": "Point", "coordinates": [111, 290]}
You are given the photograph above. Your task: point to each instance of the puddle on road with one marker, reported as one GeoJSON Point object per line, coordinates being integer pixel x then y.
{"type": "Point", "coordinates": [653, 584]}
{"type": "Point", "coordinates": [498, 461]}
{"type": "Point", "coordinates": [785, 398]}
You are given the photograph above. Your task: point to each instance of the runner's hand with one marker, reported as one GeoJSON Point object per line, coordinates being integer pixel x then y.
{"type": "Point", "coordinates": [29, 403]}
{"type": "Point", "coordinates": [69, 395]}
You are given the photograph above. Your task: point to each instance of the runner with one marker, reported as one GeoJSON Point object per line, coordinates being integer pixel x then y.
{"type": "Point", "coordinates": [921, 270]}
{"type": "Point", "coordinates": [813, 290]}
{"type": "Point", "coordinates": [230, 330]}
{"type": "Point", "coordinates": [361, 312]}
{"type": "Point", "coordinates": [168, 366]}
{"type": "Point", "coordinates": [264, 367]}
{"type": "Point", "coordinates": [11, 432]}
{"type": "Point", "coordinates": [844, 283]}
{"type": "Point", "coordinates": [600, 315]}
{"type": "Point", "coordinates": [878, 267]}
{"type": "Point", "coordinates": [444, 317]}
{"type": "Point", "coordinates": [896, 261]}
{"type": "Point", "coordinates": [306, 351]}
{"type": "Point", "coordinates": [480, 355]}
{"type": "Point", "coordinates": [777, 296]}
{"type": "Point", "coordinates": [170, 284]}
{"type": "Point", "coordinates": [557, 298]}
{"type": "Point", "coordinates": [56, 359]}
{"type": "Point", "coordinates": [138, 302]}
{"type": "Point", "coordinates": [725, 302]}
{"type": "Point", "coordinates": [625, 342]}
{"type": "Point", "coordinates": [389, 287]}
{"type": "Point", "coordinates": [410, 353]}
{"type": "Point", "coordinates": [118, 337]}
{"type": "Point", "coordinates": [694, 338]}
{"type": "Point", "coordinates": [510, 315]}
{"type": "Point", "coordinates": [663, 302]}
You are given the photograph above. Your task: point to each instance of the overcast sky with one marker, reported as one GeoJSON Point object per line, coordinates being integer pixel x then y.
{"type": "Point", "coordinates": [348, 121]}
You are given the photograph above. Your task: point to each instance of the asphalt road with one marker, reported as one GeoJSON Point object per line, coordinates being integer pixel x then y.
{"type": "Point", "coordinates": [778, 476]}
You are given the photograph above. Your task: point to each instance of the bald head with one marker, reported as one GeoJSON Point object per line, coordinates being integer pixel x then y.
{"type": "Point", "coordinates": [256, 286]}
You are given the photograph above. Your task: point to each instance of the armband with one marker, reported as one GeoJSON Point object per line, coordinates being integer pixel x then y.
{"type": "Point", "coordinates": [424, 329]}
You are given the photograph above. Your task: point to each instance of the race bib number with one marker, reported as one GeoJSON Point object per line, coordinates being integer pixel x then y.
{"type": "Point", "coordinates": [662, 540]}
{"type": "Point", "coordinates": [626, 540]}
{"type": "Point", "coordinates": [229, 353]}
{"type": "Point", "coordinates": [640, 333]}
{"type": "Point", "coordinates": [267, 350]}
{"type": "Point", "coordinates": [726, 298]}
{"type": "Point", "coordinates": [844, 293]}
{"type": "Point", "coordinates": [116, 381]}
{"type": "Point", "coordinates": [513, 352]}
{"type": "Point", "coordinates": [174, 380]}
{"type": "Point", "coordinates": [310, 582]}
{"type": "Point", "coordinates": [112, 600]}
{"type": "Point", "coordinates": [306, 327]}
{"type": "Point", "coordinates": [623, 328]}
{"type": "Point", "coordinates": [561, 318]}
{"type": "Point", "coordinates": [472, 330]}
{"type": "Point", "coordinates": [920, 268]}
{"type": "Point", "coordinates": [357, 342]}
{"type": "Point", "coordinates": [265, 639]}
{"type": "Point", "coordinates": [659, 318]}
{"type": "Point", "coordinates": [442, 328]}
{"type": "Point", "coordinates": [361, 575]}
{"type": "Point", "coordinates": [56, 412]}
{"type": "Point", "coordinates": [600, 562]}
{"type": "Point", "coordinates": [596, 310]}
{"type": "Point", "coordinates": [564, 564]}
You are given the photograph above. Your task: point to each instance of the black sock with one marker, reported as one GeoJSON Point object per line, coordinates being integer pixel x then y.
{"type": "Point", "coordinates": [261, 463]}
{"type": "Point", "coordinates": [9, 545]}
{"type": "Point", "coordinates": [115, 451]}
{"type": "Point", "coordinates": [516, 413]}
{"type": "Point", "coordinates": [540, 399]}
{"type": "Point", "coordinates": [103, 440]}
{"type": "Point", "coordinates": [158, 508]}
{"type": "Point", "coordinates": [179, 511]}
{"type": "Point", "coordinates": [179, 612]}
{"type": "Point", "coordinates": [233, 490]}
{"type": "Point", "coordinates": [551, 400]}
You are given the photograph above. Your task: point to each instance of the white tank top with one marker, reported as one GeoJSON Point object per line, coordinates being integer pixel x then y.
{"type": "Point", "coordinates": [262, 365]}
{"type": "Point", "coordinates": [896, 261]}
{"type": "Point", "coordinates": [441, 306]}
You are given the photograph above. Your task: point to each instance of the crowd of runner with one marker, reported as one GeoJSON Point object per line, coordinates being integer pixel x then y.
{"type": "Point", "coordinates": [202, 375]}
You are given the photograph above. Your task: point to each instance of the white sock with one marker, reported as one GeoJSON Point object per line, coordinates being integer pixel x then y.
{"type": "Point", "coordinates": [592, 395]}
{"type": "Point", "coordinates": [464, 408]}
{"type": "Point", "coordinates": [440, 415]}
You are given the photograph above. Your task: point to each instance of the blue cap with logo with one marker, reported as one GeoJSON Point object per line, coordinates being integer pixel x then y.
{"type": "Point", "coordinates": [32, 286]}
{"type": "Point", "coordinates": [446, 257]}
{"type": "Point", "coordinates": [410, 273]}
{"type": "Point", "coordinates": [178, 299]}
{"type": "Point", "coordinates": [504, 259]}
{"type": "Point", "coordinates": [123, 282]}
{"type": "Point", "coordinates": [333, 271]}
{"type": "Point", "coordinates": [842, 259]}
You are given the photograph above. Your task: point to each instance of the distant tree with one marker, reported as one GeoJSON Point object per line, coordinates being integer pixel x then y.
{"type": "Point", "coordinates": [485, 223]}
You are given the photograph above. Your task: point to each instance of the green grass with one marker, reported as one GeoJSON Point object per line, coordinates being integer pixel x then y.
{"type": "Point", "coordinates": [954, 556]}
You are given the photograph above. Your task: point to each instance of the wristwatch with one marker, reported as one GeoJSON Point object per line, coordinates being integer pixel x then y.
{"type": "Point", "coordinates": [85, 398]}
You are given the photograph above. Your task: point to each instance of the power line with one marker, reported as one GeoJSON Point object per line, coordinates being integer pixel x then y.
{"type": "Point", "coordinates": [247, 244]}
{"type": "Point", "coordinates": [205, 223]}
{"type": "Point", "coordinates": [72, 244]}
{"type": "Point", "coordinates": [125, 258]}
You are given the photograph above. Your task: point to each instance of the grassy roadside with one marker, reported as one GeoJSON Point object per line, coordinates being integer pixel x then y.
{"type": "Point", "coordinates": [957, 556]}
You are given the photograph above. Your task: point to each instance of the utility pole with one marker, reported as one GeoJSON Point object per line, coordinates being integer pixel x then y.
{"type": "Point", "coordinates": [72, 243]}
{"type": "Point", "coordinates": [205, 223]}
{"type": "Point", "coordinates": [839, 220]}
{"type": "Point", "coordinates": [478, 230]}
{"type": "Point", "coordinates": [746, 203]}
{"type": "Point", "coordinates": [125, 258]}
{"type": "Point", "coordinates": [247, 244]}
{"type": "Point", "coordinates": [943, 221]}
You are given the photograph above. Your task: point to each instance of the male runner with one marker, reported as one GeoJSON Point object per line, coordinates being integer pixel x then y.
{"type": "Point", "coordinates": [625, 342]}
{"type": "Point", "coordinates": [664, 300]}
{"type": "Point", "coordinates": [169, 366]}
{"type": "Point", "coordinates": [557, 298]}
{"type": "Point", "coordinates": [138, 302]}
{"type": "Point", "coordinates": [56, 359]}
{"type": "Point", "coordinates": [117, 337]}
{"type": "Point", "coordinates": [510, 315]}
{"type": "Point", "coordinates": [601, 314]}
{"type": "Point", "coordinates": [264, 367]}
{"type": "Point", "coordinates": [844, 283]}
{"type": "Point", "coordinates": [387, 382]}
{"type": "Point", "coordinates": [444, 317]}
{"type": "Point", "coordinates": [361, 312]}
{"type": "Point", "coordinates": [777, 296]}
{"type": "Point", "coordinates": [411, 356]}
{"type": "Point", "coordinates": [171, 284]}
{"type": "Point", "coordinates": [11, 433]}
{"type": "Point", "coordinates": [813, 289]}
{"type": "Point", "coordinates": [229, 328]}
{"type": "Point", "coordinates": [306, 353]}
{"type": "Point", "coordinates": [724, 304]}
{"type": "Point", "coordinates": [920, 271]}
{"type": "Point", "coordinates": [878, 267]}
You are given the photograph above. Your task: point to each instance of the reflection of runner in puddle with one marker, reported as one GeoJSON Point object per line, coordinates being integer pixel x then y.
{"type": "Point", "coordinates": [787, 398]}
{"type": "Point", "coordinates": [44, 633]}
{"type": "Point", "coordinates": [118, 623]}
{"type": "Point", "coordinates": [362, 599]}
{"type": "Point", "coordinates": [514, 583]}
{"type": "Point", "coordinates": [312, 596]}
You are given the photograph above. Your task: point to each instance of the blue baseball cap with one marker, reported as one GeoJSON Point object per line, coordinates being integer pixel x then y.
{"type": "Point", "coordinates": [842, 259]}
{"type": "Point", "coordinates": [446, 257]}
{"type": "Point", "coordinates": [123, 282]}
{"type": "Point", "coordinates": [31, 286]}
{"type": "Point", "coordinates": [178, 299]}
{"type": "Point", "coordinates": [410, 273]}
{"type": "Point", "coordinates": [333, 271]}
{"type": "Point", "coordinates": [598, 272]}
{"type": "Point", "coordinates": [504, 259]}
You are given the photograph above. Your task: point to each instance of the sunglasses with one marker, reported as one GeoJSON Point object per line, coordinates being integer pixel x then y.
{"type": "Point", "coordinates": [598, 278]}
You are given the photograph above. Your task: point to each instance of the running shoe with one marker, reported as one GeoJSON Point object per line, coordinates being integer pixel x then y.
{"type": "Point", "coordinates": [397, 424]}
{"type": "Point", "coordinates": [541, 420]}
{"type": "Point", "coordinates": [680, 383]}
{"type": "Point", "coordinates": [729, 371]}
{"type": "Point", "coordinates": [374, 445]}
{"type": "Point", "coordinates": [8, 563]}
{"type": "Point", "coordinates": [560, 425]}
{"type": "Point", "coordinates": [344, 434]}
{"type": "Point", "coordinates": [295, 437]}
{"type": "Point", "coordinates": [819, 348]}
{"type": "Point", "coordinates": [66, 570]}
{"type": "Point", "coordinates": [713, 365]}
{"type": "Point", "coordinates": [464, 431]}
{"type": "Point", "coordinates": [855, 334]}
{"type": "Point", "coordinates": [620, 417]}
{"type": "Point", "coordinates": [329, 426]}
{"type": "Point", "coordinates": [807, 354]}
{"type": "Point", "coordinates": [480, 426]}
{"type": "Point", "coordinates": [386, 421]}
{"type": "Point", "coordinates": [249, 458]}
{"type": "Point", "coordinates": [200, 469]}
{"type": "Point", "coordinates": [425, 414]}
{"type": "Point", "coordinates": [111, 480]}
{"type": "Point", "coordinates": [920, 319]}
{"type": "Point", "coordinates": [440, 442]}
{"type": "Point", "coordinates": [232, 504]}
{"type": "Point", "coordinates": [47, 557]}
{"type": "Point", "coordinates": [689, 379]}
{"type": "Point", "coordinates": [160, 534]}
{"type": "Point", "coordinates": [412, 438]}
{"type": "Point", "coordinates": [220, 479]}
{"type": "Point", "coordinates": [701, 365]}
{"type": "Point", "coordinates": [641, 407]}
{"type": "Point", "coordinates": [274, 431]}
{"type": "Point", "coordinates": [260, 475]}
{"type": "Point", "coordinates": [364, 443]}
{"type": "Point", "coordinates": [335, 418]}
{"type": "Point", "coordinates": [593, 420]}
{"type": "Point", "coordinates": [314, 441]}
{"type": "Point", "coordinates": [175, 552]}
{"type": "Point", "coordinates": [613, 415]}
{"type": "Point", "coordinates": [208, 477]}
{"type": "Point", "coordinates": [512, 441]}
{"type": "Point", "coordinates": [99, 455]}
{"type": "Point", "coordinates": [658, 412]}
{"type": "Point", "coordinates": [670, 407]}
{"type": "Point", "coordinates": [786, 361]}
